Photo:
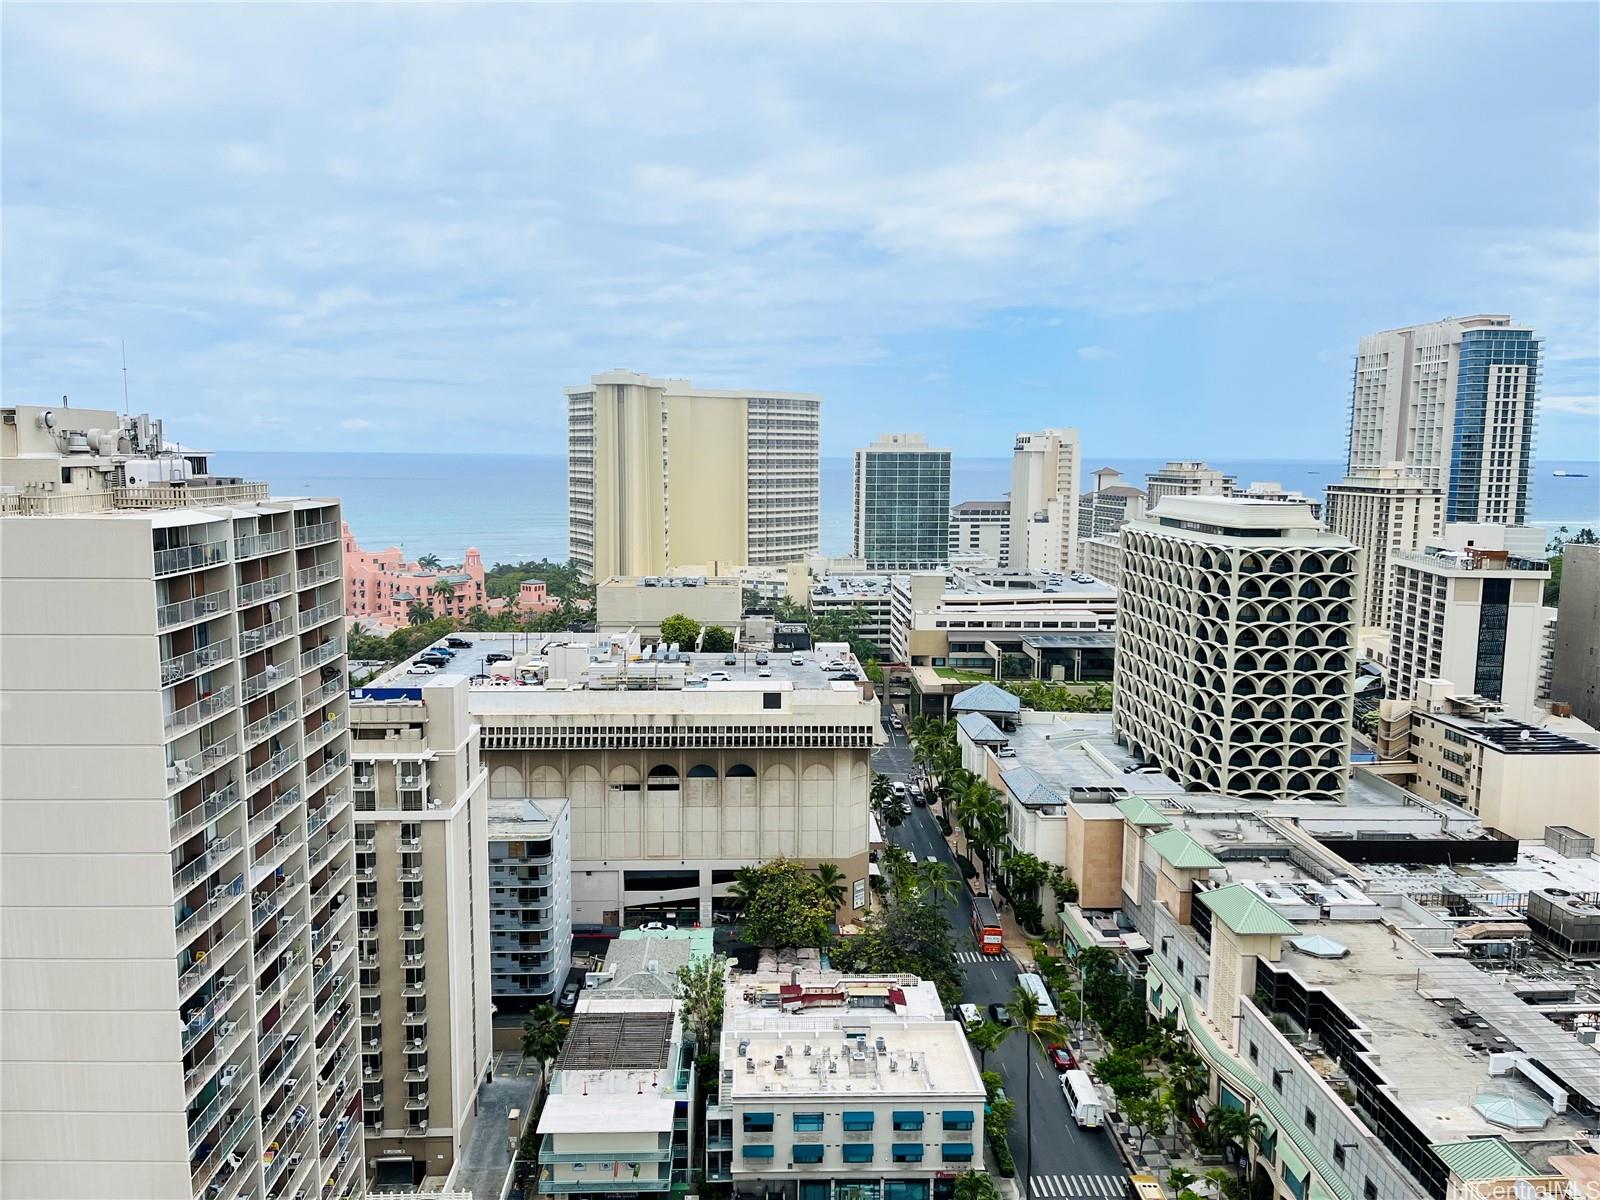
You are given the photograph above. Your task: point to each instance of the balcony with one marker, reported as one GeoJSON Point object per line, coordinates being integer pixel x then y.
{"type": "Point", "coordinates": [335, 842]}
{"type": "Point", "coordinates": [310, 535]}
{"type": "Point", "coordinates": [264, 820]}
{"type": "Point", "coordinates": [324, 732]}
{"type": "Point", "coordinates": [415, 989]}
{"type": "Point", "coordinates": [222, 896]}
{"type": "Point", "coordinates": [190, 558]}
{"type": "Point", "coordinates": [290, 932]}
{"type": "Point", "coordinates": [310, 618]}
{"type": "Point", "coordinates": [218, 850]}
{"type": "Point", "coordinates": [207, 965]}
{"type": "Point", "coordinates": [251, 640]}
{"type": "Point", "coordinates": [417, 1103]}
{"type": "Point", "coordinates": [411, 904]}
{"type": "Point", "coordinates": [329, 690]}
{"type": "Point", "coordinates": [207, 1016]}
{"type": "Point", "coordinates": [196, 608]}
{"type": "Point", "coordinates": [418, 1074]}
{"type": "Point", "coordinates": [412, 930]}
{"type": "Point", "coordinates": [263, 590]}
{"type": "Point", "coordinates": [256, 544]}
{"type": "Point", "coordinates": [226, 1043]}
{"type": "Point", "coordinates": [313, 575]}
{"type": "Point", "coordinates": [273, 721]}
{"type": "Point", "coordinates": [190, 717]}
{"type": "Point", "coordinates": [330, 767]}
{"type": "Point", "coordinates": [238, 1122]}
{"type": "Point", "coordinates": [333, 883]}
{"type": "Point", "coordinates": [186, 666]}
{"type": "Point", "coordinates": [264, 908]}
{"type": "Point", "coordinates": [215, 806]}
{"type": "Point", "coordinates": [410, 874]}
{"type": "Point", "coordinates": [414, 1017]}
{"type": "Point", "coordinates": [280, 762]}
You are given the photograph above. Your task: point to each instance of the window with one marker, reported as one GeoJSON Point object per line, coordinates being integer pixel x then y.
{"type": "Point", "coordinates": [958, 1118]}
{"type": "Point", "coordinates": [807, 1153]}
{"type": "Point", "coordinates": [1196, 987]}
{"type": "Point", "coordinates": [1369, 1190]}
{"type": "Point", "coordinates": [1277, 1081]}
{"type": "Point", "coordinates": [813, 1189]}
{"type": "Point", "coordinates": [808, 1122]}
{"type": "Point", "coordinates": [1310, 1121]}
{"type": "Point", "coordinates": [1338, 1154]}
{"type": "Point", "coordinates": [907, 1152]}
{"type": "Point", "coordinates": [1255, 1053]}
{"type": "Point", "coordinates": [906, 1120]}
{"type": "Point", "coordinates": [758, 1122]}
{"type": "Point", "coordinates": [957, 1151]}
{"type": "Point", "coordinates": [858, 1152]}
{"type": "Point", "coordinates": [858, 1122]}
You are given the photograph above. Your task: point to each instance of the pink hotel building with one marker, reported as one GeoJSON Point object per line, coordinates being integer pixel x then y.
{"type": "Point", "coordinates": [381, 586]}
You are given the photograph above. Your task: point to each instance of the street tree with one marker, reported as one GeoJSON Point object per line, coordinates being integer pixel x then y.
{"type": "Point", "coordinates": [1040, 1029]}
{"type": "Point", "coordinates": [542, 1035]}
{"type": "Point", "coordinates": [988, 1036]}
{"type": "Point", "coordinates": [788, 907]}
{"type": "Point", "coordinates": [700, 988]}
{"type": "Point", "coordinates": [975, 1185]}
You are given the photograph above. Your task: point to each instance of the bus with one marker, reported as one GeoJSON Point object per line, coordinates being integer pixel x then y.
{"type": "Point", "coordinates": [986, 926]}
{"type": "Point", "coordinates": [1034, 986]}
{"type": "Point", "coordinates": [1088, 1110]}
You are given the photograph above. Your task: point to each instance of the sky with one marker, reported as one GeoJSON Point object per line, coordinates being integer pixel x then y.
{"type": "Point", "coordinates": [409, 228]}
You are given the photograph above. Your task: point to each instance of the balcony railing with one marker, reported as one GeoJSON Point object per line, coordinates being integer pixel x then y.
{"type": "Point", "coordinates": [330, 767]}
{"type": "Point", "coordinates": [202, 710]}
{"type": "Point", "coordinates": [263, 820]}
{"type": "Point", "coordinates": [190, 558]}
{"type": "Point", "coordinates": [276, 719]}
{"type": "Point", "coordinates": [322, 733]}
{"type": "Point", "coordinates": [272, 676]}
{"type": "Point", "coordinates": [196, 608]}
{"type": "Point", "coordinates": [334, 687]}
{"type": "Point", "coordinates": [217, 851]}
{"type": "Point", "coordinates": [221, 897]}
{"type": "Point", "coordinates": [204, 966]}
{"type": "Point", "coordinates": [251, 640]}
{"type": "Point", "coordinates": [207, 1016]}
{"type": "Point", "coordinates": [335, 881]}
{"type": "Point", "coordinates": [205, 1067]}
{"type": "Point", "coordinates": [313, 575]}
{"type": "Point", "coordinates": [311, 617]}
{"type": "Point", "coordinates": [269, 770]}
{"type": "Point", "coordinates": [321, 654]}
{"type": "Point", "coordinates": [253, 544]}
{"type": "Point", "coordinates": [212, 808]}
{"type": "Point", "coordinates": [264, 908]}
{"type": "Point", "coordinates": [262, 590]}
{"type": "Point", "coordinates": [310, 535]}
{"type": "Point", "coordinates": [290, 930]}
{"type": "Point", "coordinates": [185, 666]}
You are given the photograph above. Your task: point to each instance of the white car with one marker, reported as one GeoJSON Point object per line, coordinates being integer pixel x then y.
{"type": "Point", "coordinates": [969, 1016]}
{"type": "Point", "coordinates": [764, 673]}
{"type": "Point", "coordinates": [719, 677]}
{"type": "Point", "coordinates": [796, 661]}
{"type": "Point", "coordinates": [899, 789]}
{"type": "Point", "coordinates": [421, 669]}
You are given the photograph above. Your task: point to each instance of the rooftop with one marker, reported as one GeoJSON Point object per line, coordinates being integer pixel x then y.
{"type": "Point", "coordinates": [969, 584]}
{"type": "Point", "coordinates": [521, 819]}
{"type": "Point", "coordinates": [1442, 558]}
{"type": "Point", "coordinates": [645, 962]}
{"type": "Point", "coordinates": [980, 728]}
{"type": "Point", "coordinates": [1515, 737]}
{"type": "Point", "coordinates": [987, 698]}
{"type": "Point", "coordinates": [1243, 517]}
{"type": "Point", "coordinates": [981, 506]}
{"type": "Point", "coordinates": [609, 1040]}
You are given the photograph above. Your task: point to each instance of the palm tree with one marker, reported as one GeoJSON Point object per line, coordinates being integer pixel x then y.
{"type": "Point", "coordinates": [880, 788]}
{"type": "Point", "coordinates": [542, 1035]}
{"type": "Point", "coordinates": [742, 891]}
{"type": "Point", "coordinates": [988, 1036]}
{"type": "Point", "coordinates": [418, 614]}
{"type": "Point", "coordinates": [832, 881]}
{"type": "Point", "coordinates": [899, 866]}
{"type": "Point", "coordinates": [937, 880]}
{"type": "Point", "coordinates": [1236, 1125]}
{"type": "Point", "coordinates": [429, 562]}
{"type": "Point", "coordinates": [975, 1185]}
{"type": "Point", "coordinates": [1036, 1027]}
{"type": "Point", "coordinates": [443, 587]}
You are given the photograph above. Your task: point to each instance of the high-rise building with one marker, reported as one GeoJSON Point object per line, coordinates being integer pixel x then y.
{"type": "Point", "coordinates": [1044, 501]}
{"type": "Point", "coordinates": [1575, 678]}
{"type": "Point", "coordinates": [530, 901]}
{"type": "Point", "coordinates": [1472, 616]}
{"type": "Point", "coordinates": [902, 504]}
{"type": "Point", "coordinates": [178, 950]}
{"type": "Point", "coordinates": [1187, 477]}
{"type": "Point", "coordinates": [1453, 402]}
{"type": "Point", "coordinates": [1108, 504]}
{"type": "Point", "coordinates": [1236, 645]}
{"type": "Point", "coordinates": [422, 891]}
{"type": "Point", "coordinates": [1384, 511]}
{"type": "Point", "coordinates": [980, 530]}
{"type": "Point", "coordinates": [662, 474]}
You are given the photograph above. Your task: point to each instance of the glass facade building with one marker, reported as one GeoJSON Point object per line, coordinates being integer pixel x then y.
{"type": "Point", "coordinates": [902, 505]}
{"type": "Point", "coordinates": [1491, 451]}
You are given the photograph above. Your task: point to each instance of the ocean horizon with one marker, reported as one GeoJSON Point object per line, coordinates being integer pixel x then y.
{"type": "Point", "coordinates": [513, 507]}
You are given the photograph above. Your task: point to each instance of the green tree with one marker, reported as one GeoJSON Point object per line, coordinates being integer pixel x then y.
{"type": "Point", "coordinates": [542, 1035]}
{"type": "Point", "coordinates": [988, 1036]}
{"type": "Point", "coordinates": [418, 613]}
{"type": "Point", "coordinates": [1237, 1126]}
{"type": "Point", "coordinates": [909, 933]}
{"type": "Point", "coordinates": [880, 788]}
{"type": "Point", "coordinates": [716, 640]}
{"type": "Point", "coordinates": [429, 562]}
{"type": "Point", "coordinates": [1123, 1073]}
{"type": "Point", "coordinates": [744, 887]}
{"type": "Point", "coordinates": [700, 988]}
{"type": "Point", "coordinates": [1039, 1030]}
{"type": "Point", "coordinates": [937, 880]}
{"type": "Point", "coordinates": [789, 907]}
{"type": "Point", "coordinates": [833, 884]}
{"type": "Point", "coordinates": [682, 630]}
{"type": "Point", "coordinates": [975, 1185]}
{"type": "Point", "coordinates": [443, 587]}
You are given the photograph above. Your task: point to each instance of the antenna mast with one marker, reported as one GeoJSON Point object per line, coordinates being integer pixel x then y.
{"type": "Point", "coordinates": [124, 376]}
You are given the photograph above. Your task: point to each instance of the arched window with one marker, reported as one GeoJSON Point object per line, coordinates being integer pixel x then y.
{"type": "Point", "coordinates": [662, 778]}
{"type": "Point", "coordinates": [741, 771]}
{"type": "Point", "coordinates": [702, 771]}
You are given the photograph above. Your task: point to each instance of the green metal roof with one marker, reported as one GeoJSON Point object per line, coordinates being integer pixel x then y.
{"type": "Point", "coordinates": [1244, 912]}
{"type": "Point", "coordinates": [1182, 851]}
{"type": "Point", "coordinates": [1138, 811]}
{"type": "Point", "coordinates": [1483, 1158]}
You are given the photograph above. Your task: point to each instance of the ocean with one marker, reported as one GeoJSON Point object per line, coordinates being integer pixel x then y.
{"type": "Point", "coordinates": [513, 507]}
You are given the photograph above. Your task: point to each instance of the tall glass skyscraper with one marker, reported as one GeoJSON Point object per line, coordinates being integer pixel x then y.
{"type": "Point", "coordinates": [902, 504]}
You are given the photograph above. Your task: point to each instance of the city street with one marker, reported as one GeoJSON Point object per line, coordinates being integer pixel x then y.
{"type": "Point", "coordinates": [1066, 1161]}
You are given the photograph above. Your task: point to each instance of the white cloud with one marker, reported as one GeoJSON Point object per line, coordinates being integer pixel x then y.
{"type": "Point", "coordinates": [1093, 353]}
{"type": "Point", "coordinates": [1579, 406]}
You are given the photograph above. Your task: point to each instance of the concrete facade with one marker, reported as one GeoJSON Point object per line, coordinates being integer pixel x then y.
{"type": "Point", "coordinates": [1575, 677]}
{"type": "Point", "coordinates": [1107, 505]}
{"type": "Point", "coordinates": [980, 530]}
{"type": "Point", "coordinates": [642, 603]}
{"type": "Point", "coordinates": [176, 906]}
{"type": "Point", "coordinates": [662, 474]}
{"type": "Point", "coordinates": [1186, 477]}
{"type": "Point", "coordinates": [530, 901]}
{"type": "Point", "coordinates": [1384, 511]}
{"type": "Point", "coordinates": [1045, 470]}
{"type": "Point", "coordinates": [1102, 557]}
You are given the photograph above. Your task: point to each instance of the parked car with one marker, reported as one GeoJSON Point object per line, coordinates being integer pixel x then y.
{"type": "Point", "coordinates": [796, 661]}
{"type": "Point", "coordinates": [460, 643]}
{"type": "Point", "coordinates": [1007, 751]}
{"type": "Point", "coordinates": [932, 860]}
{"type": "Point", "coordinates": [496, 656]}
{"type": "Point", "coordinates": [999, 1014]}
{"type": "Point", "coordinates": [443, 651]}
{"type": "Point", "coordinates": [656, 927]}
{"type": "Point", "coordinates": [761, 658]}
{"type": "Point", "coordinates": [719, 676]}
{"type": "Point", "coordinates": [434, 660]}
{"type": "Point", "coordinates": [569, 998]}
{"type": "Point", "coordinates": [422, 668]}
{"type": "Point", "coordinates": [730, 660]}
{"type": "Point", "coordinates": [1061, 1058]}
{"type": "Point", "coordinates": [764, 673]}
{"type": "Point", "coordinates": [969, 1016]}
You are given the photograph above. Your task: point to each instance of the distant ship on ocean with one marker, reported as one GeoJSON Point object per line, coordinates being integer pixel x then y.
{"type": "Point", "coordinates": [1570, 474]}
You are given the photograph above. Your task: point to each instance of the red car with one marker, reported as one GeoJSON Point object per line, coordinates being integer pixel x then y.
{"type": "Point", "coordinates": [1061, 1058]}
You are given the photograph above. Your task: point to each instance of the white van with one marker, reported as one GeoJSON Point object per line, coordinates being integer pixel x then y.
{"type": "Point", "coordinates": [1033, 985]}
{"type": "Point", "coordinates": [1088, 1110]}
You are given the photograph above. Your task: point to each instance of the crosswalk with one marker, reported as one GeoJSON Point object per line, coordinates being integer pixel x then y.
{"type": "Point", "coordinates": [974, 956]}
{"type": "Point", "coordinates": [1086, 1187]}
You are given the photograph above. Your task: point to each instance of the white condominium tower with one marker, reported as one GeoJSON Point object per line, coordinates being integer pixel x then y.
{"type": "Point", "coordinates": [1187, 477]}
{"type": "Point", "coordinates": [1452, 403]}
{"type": "Point", "coordinates": [663, 474]}
{"type": "Point", "coordinates": [1044, 501]}
{"type": "Point", "coordinates": [902, 504]}
{"type": "Point", "coordinates": [1236, 647]}
{"type": "Point", "coordinates": [1384, 511]}
{"type": "Point", "coordinates": [178, 950]}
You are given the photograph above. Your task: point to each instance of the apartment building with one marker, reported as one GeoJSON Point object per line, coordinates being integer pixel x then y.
{"type": "Point", "coordinates": [422, 892]}
{"type": "Point", "coordinates": [961, 618]}
{"type": "Point", "coordinates": [981, 530]}
{"type": "Point", "coordinates": [1187, 477]}
{"type": "Point", "coordinates": [661, 473]}
{"type": "Point", "coordinates": [1575, 677]}
{"type": "Point", "coordinates": [1045, 468]}
{"type": "Point", "coordinates": [1384, 511]}
{"type": "Point", "coordinates": [1107, 505]}
{"type": "Point", "coordinates": [1454, 402]}
{"type": "Point", "coordinates": [1475, 617]}
{"type": "Point", "coordinates": [902, 504]}
{"type": "Point", "coordinates": [1101, 557]}
{"type": "Point", "coordinates": [619, 1115]}
{"type": "Point", "coordinates": [836, 1085]}
{"type": "Point", "coordinates": [178, 947]}
{"type": "Point", "coordinates": [845, 594]}
{"type": "Point", "coordinates": [676, 779]}
{"type": "Point", "coordinates": [530, 901]}
{"type": "Point", "coordinates": [1236, 643]}
{"type": "Point", "coordinates": [1516, 777]}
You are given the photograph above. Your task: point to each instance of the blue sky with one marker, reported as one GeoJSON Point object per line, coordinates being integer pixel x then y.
{"type": "Point", "coordinates": [342, 227]}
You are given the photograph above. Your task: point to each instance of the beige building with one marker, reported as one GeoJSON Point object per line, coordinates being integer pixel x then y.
{"type": "Point", "coordinates": [1045, 468]}
{"type": "Point", "coordinates": [1101, 557]}
{"type": "Point", "coordinates": [422, 892]}
{"type": "Point", "coordinates": [176, 912]}
{"type": "Point", "coordinates": [661, 473]}
{"type": "Point", "coordinates": [980, 531]}
{"type": "Point", "coordinates": [1187, 477]}
{"type": "Point", "coordinates": [643, 602]}
{"type": "Point", "coordinates": [1384, 511]}
{"type": "Point", "coordinates": [1474, 617]}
